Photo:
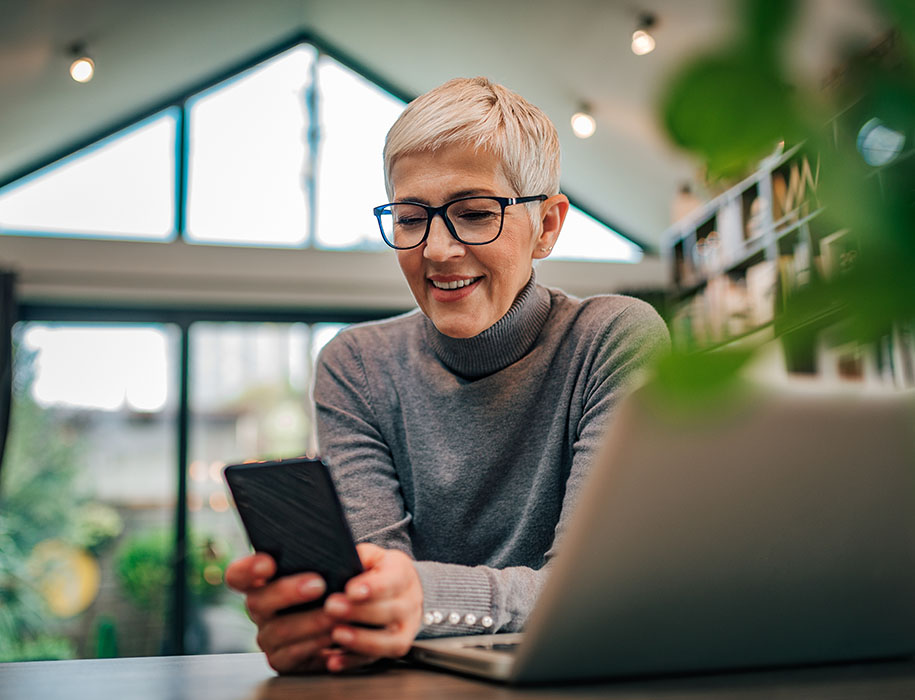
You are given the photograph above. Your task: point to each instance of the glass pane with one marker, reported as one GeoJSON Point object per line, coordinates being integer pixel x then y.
{"type": "Point", "coordinates": [585, 238]}
{"type": "Point", "coordinates": [355, 117]}
{"type": "Point", "coordinates": [248, 156]}
{"type": "Point", "coordinates": [122, 187]}
{"type": "Point", "coordinates": [249, 400]}
{"type": "Point", "coordinates": [88, 491]}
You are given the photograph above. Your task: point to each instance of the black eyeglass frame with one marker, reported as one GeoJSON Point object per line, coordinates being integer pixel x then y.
{"type": "Point", "coordinates": [431, 212]}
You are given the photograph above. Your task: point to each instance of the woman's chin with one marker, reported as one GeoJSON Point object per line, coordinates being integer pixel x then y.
{"type": "Point", "coordinates": [466, 326]}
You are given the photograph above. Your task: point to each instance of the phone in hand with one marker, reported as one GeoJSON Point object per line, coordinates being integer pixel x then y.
{"type": "Point", "coordinates": [291, 511]}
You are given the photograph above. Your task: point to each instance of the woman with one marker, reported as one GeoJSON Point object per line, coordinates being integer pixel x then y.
{"type": "Point", "coordinates": [459, 434]}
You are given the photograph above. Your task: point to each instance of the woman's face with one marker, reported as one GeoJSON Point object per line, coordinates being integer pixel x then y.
{"type": "Point", "coordinates": [492, 274]}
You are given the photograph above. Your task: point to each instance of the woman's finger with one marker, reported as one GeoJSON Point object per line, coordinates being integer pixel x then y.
{"type": "Point", "coordinates": [250, 572]}
{"type": "Point", "coordinates": [393, 641]}
{"type": "Point", "coordinates": [300, 657]}
{"type": "Point", "coordinates": [263, 603]}
{"type": "Point", "coordinates": [339, 660]}
{"type": "Point", "coordinates": [389, 573]}
{"type": "Point", "coordinates": [287, 630]}
{"type": "Point", "coordinates": [378, 613]}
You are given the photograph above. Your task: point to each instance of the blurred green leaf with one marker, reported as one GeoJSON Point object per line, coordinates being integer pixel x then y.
{"type": "Point", "coordinates": [766, 22]}
{"type": "Point", "coordinates": [697, 377]}
{"type": "Point", "coordinates": [731, 109]}
{"type": "Point", "coordinates": [903, 12]}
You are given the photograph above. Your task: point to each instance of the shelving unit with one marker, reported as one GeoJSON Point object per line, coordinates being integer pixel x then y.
{"type": "Point", "coordinates": [735, 259]}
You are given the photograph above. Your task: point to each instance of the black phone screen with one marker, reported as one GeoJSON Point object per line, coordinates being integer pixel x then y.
{"type": "Point", "coordinates": [291, 511]}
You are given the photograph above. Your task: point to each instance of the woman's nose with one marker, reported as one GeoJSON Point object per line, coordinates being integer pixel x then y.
{"type": "Point", "coordinates": [440, 244]}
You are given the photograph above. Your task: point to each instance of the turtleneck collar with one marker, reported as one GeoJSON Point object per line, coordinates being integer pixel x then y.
{"type": "Point", "coordinates": [500, 345]}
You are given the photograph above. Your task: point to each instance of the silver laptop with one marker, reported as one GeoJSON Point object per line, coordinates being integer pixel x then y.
{"type": "Point", "coordinates": [778, 529]}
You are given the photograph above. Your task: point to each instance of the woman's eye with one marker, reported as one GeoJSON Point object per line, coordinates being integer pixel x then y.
{"type": "Point", "coordinates": [408, 221]}
{"type": "Point", "coordinates": [476, 215]}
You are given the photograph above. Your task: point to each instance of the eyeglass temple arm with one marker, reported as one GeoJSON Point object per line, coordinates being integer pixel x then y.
{"type": "Point", "coordinates": [522, 200]}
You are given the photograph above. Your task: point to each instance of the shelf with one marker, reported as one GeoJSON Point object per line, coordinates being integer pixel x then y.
{"type": "Point", "coordinates": [795, 225]}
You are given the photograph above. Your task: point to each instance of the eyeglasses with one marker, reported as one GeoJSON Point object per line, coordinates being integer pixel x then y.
{"type": "Point", "coordinates": [470, 220]}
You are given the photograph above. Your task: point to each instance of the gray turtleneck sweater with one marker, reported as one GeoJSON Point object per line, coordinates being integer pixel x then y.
{"type": "Point", "coordinates": [468, 454]}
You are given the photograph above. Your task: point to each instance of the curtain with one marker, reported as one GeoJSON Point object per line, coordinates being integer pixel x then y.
{"type": "Point", "coordinates": [7, 319]}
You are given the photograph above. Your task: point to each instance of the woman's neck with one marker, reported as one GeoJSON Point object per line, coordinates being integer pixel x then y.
{"type": "Point", "coordinates": [500, 345]}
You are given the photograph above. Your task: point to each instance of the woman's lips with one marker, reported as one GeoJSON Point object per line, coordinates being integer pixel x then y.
{"type": "Point", "coordinates": [462, 286]}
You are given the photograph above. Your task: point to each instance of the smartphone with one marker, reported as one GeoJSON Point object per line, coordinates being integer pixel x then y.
{"type": "Point", "coordinates": [291, 511]}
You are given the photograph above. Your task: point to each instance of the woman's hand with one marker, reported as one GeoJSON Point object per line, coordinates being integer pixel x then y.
{"type": "Point", "coordinates": [388, 596]}
{"type": "Point", "coordinates": [295, 642]}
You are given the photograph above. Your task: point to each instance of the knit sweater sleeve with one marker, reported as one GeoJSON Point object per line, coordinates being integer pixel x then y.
{"type": "Point", "coordinates": [360, 461]}
{"type": "Point", "coordinates": [459, 599]}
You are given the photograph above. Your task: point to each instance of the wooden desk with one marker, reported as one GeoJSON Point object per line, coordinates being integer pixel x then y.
{"type": "Point", "coordinates": [247, 677]}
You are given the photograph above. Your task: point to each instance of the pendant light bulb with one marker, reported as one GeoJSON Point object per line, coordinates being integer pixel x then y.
{"type": "Point", "coordinates": [583, 124]}
{"type": "Point", "coordinates": [82, 69]}
{"type": "Point", "coordinates": [643, 42]}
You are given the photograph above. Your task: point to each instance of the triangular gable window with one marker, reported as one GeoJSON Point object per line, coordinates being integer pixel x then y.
{"type": "Point", "coordinates": [286, 153]}
{"type": "Point", "coordinates": [120, 187]}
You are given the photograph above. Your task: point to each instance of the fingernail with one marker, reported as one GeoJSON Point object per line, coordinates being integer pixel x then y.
{"type": "Point", "coordinates": [312, 587]}
{"type": "Point", "coordinates": [262, 568]}
{"type": "Point", "coordinates": [335, 606]}
{"type": "Point", "coordinates": [342, 635]}
{"type": "Point", "coordinates": [360, 591]}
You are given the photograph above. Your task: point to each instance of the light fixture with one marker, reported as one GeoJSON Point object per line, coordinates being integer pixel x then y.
{"type": "Point", "coordinates": [83, 67]}
{"type": "Point", "coordinates": [583, 123]}
{"type": "Point", "coordinates": [642, 41]}
{"type": "Point", "coordinates": [878, 144]}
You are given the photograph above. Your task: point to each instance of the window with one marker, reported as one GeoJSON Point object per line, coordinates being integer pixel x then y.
{"type": "Point", "coordinates": [88, 496]}
{"type": "Point", "coordinates": [248, 156]}
{"type": "Point", "coordinates": [250, 399]}
{"type": "Point", "coordinates": [90, 516]}
{"type": "Point", "coordinates": [585, 238]}
{"type": "Point", "coordinates": [286, 153]}
{"type": "Point", "coordinates": [354, 119]}
{"type": "Point", "coordinates": [121, 187]}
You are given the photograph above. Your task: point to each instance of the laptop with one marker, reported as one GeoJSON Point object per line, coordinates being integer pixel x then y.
{"type": "Point", "coordinates": [776, 529]}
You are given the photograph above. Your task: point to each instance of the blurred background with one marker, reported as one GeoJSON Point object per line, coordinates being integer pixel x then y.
{"type": "Point", "coordinates": [185, 220]}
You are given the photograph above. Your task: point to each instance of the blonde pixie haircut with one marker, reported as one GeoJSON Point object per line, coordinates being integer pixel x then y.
{"type": "Point", "coordinates": [484, 115]}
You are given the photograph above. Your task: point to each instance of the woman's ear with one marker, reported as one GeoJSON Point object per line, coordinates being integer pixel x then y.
{"type": "Point", "coordinates": [552, 213]}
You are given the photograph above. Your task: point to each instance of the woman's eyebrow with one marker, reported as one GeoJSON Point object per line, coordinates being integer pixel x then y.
{"type": "Point", "coordinates": [452, 195]}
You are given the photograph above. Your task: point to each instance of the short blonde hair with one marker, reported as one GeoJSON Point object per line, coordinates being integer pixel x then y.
{"type": "Point", "coordinates": [482, 114]}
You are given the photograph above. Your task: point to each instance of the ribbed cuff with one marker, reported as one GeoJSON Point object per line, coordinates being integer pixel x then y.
{"type": "Point", "coordinates": [457, 600]}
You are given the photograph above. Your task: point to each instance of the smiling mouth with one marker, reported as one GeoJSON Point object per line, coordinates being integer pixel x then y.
{"type": "Point", "coordinates": [457, 284]}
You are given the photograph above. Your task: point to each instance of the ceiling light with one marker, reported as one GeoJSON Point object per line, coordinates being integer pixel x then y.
{"type": "Point", "coordinates": [642, 41]}
{"type": "Point", "coordinates": [83, 67]}
{"type": "Point", "coordinates": [583, 124]}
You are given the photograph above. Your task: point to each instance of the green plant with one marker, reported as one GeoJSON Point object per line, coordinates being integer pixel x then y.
{"type": "Point", "coordinates": [96, 525]}
{"type": "Point", "coordinates": [26, 626]}
{"type": "Point", "coordinates": [145, 568]}
{"type": "Point", "coordinates": [37, 495]}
